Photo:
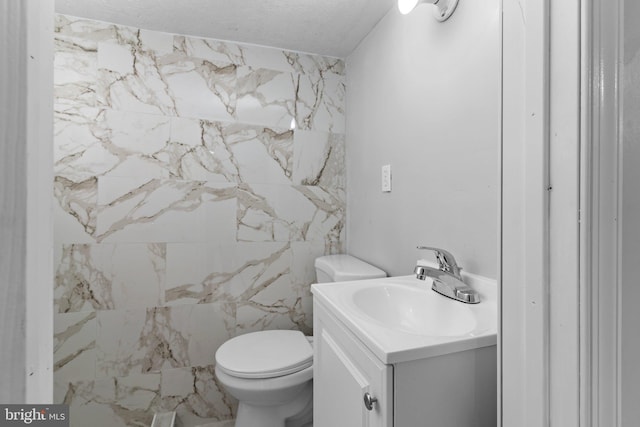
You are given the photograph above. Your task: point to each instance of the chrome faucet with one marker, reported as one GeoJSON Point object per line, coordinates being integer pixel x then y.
{"type": "Point", "coordinates": [446, 278]}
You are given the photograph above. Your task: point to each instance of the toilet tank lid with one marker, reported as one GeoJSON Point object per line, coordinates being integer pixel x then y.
{"type": "Point", "coordinates": [346, 267]}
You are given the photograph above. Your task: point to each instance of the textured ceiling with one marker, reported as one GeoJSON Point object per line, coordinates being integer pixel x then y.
{"type": "Point", "coordinates": [326, 27]}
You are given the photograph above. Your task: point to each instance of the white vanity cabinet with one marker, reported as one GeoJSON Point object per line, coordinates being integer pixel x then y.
{"type": "Point", "coordinates": [444, 389]}
{"type": "Point", "coordinates": [344, 373]}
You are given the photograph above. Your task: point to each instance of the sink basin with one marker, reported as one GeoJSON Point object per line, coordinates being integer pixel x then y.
{"type": "Point", "coordinates": [401, 319]}
{"type": "Point", "coordinates": [414, 311]}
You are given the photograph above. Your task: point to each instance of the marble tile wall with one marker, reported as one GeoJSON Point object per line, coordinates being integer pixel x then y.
{"type": "Point", "coordinates": [195, 182]}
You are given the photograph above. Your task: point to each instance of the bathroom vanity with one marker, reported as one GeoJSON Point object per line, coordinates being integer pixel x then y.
{"type": "Point", "coordinates": [391, 352]}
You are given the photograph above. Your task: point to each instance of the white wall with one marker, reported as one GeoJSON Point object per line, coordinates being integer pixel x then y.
{"type": "Point", "coordinates": [424, 97]}
{"type": "Point", "coordinates": [25, 208]}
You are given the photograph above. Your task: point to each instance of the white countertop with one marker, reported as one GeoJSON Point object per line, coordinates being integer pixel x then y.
{"type": "Point", "coordinates": [393, 345]}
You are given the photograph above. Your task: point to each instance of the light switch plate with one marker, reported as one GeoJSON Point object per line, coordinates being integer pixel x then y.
{"type": "Point", "coordinates": [386, 178]}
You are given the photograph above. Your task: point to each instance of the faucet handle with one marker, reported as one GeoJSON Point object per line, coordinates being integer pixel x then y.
{"type": "Point", "coordinates": [446, 260]}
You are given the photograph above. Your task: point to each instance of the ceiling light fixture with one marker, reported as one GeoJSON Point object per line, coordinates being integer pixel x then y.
{"type": "Point", "coordinates": [444, 8]}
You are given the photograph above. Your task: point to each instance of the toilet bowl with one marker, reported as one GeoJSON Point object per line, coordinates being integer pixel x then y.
{"type": "Point", "coordinates": [271, 372]}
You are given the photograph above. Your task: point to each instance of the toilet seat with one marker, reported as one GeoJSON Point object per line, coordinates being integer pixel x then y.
{"type": "Point", "coordinates": [279, 353]}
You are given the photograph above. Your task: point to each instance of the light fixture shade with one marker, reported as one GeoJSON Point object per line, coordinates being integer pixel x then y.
{"type": "Point", "coordinates": [406, 6]}
{"type": "Point", "coordinates": [444, 8]}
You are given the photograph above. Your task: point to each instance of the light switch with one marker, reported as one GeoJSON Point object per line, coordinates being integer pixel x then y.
{"type": "Point", "coordinates": [386, 178]}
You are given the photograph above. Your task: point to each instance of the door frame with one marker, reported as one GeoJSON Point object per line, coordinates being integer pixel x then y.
{"type": "Point", "coordinates": [560, 185]}
{"type": "Point", "coordinates": [601, 187]}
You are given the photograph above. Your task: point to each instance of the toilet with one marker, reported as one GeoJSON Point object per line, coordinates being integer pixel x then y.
{"type": "Point", "coordinates": [271, 372]}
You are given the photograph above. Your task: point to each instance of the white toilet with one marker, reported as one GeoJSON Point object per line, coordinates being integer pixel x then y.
{"type": "Point", "coordinates": [271, 372]}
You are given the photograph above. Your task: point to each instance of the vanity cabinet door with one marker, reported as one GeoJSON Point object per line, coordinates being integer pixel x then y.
{"type": "Point", "coordinates": [344, 373]}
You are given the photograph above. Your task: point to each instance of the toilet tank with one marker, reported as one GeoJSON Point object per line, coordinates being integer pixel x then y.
{"type": "Point", "coordinates": [340, 268]}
